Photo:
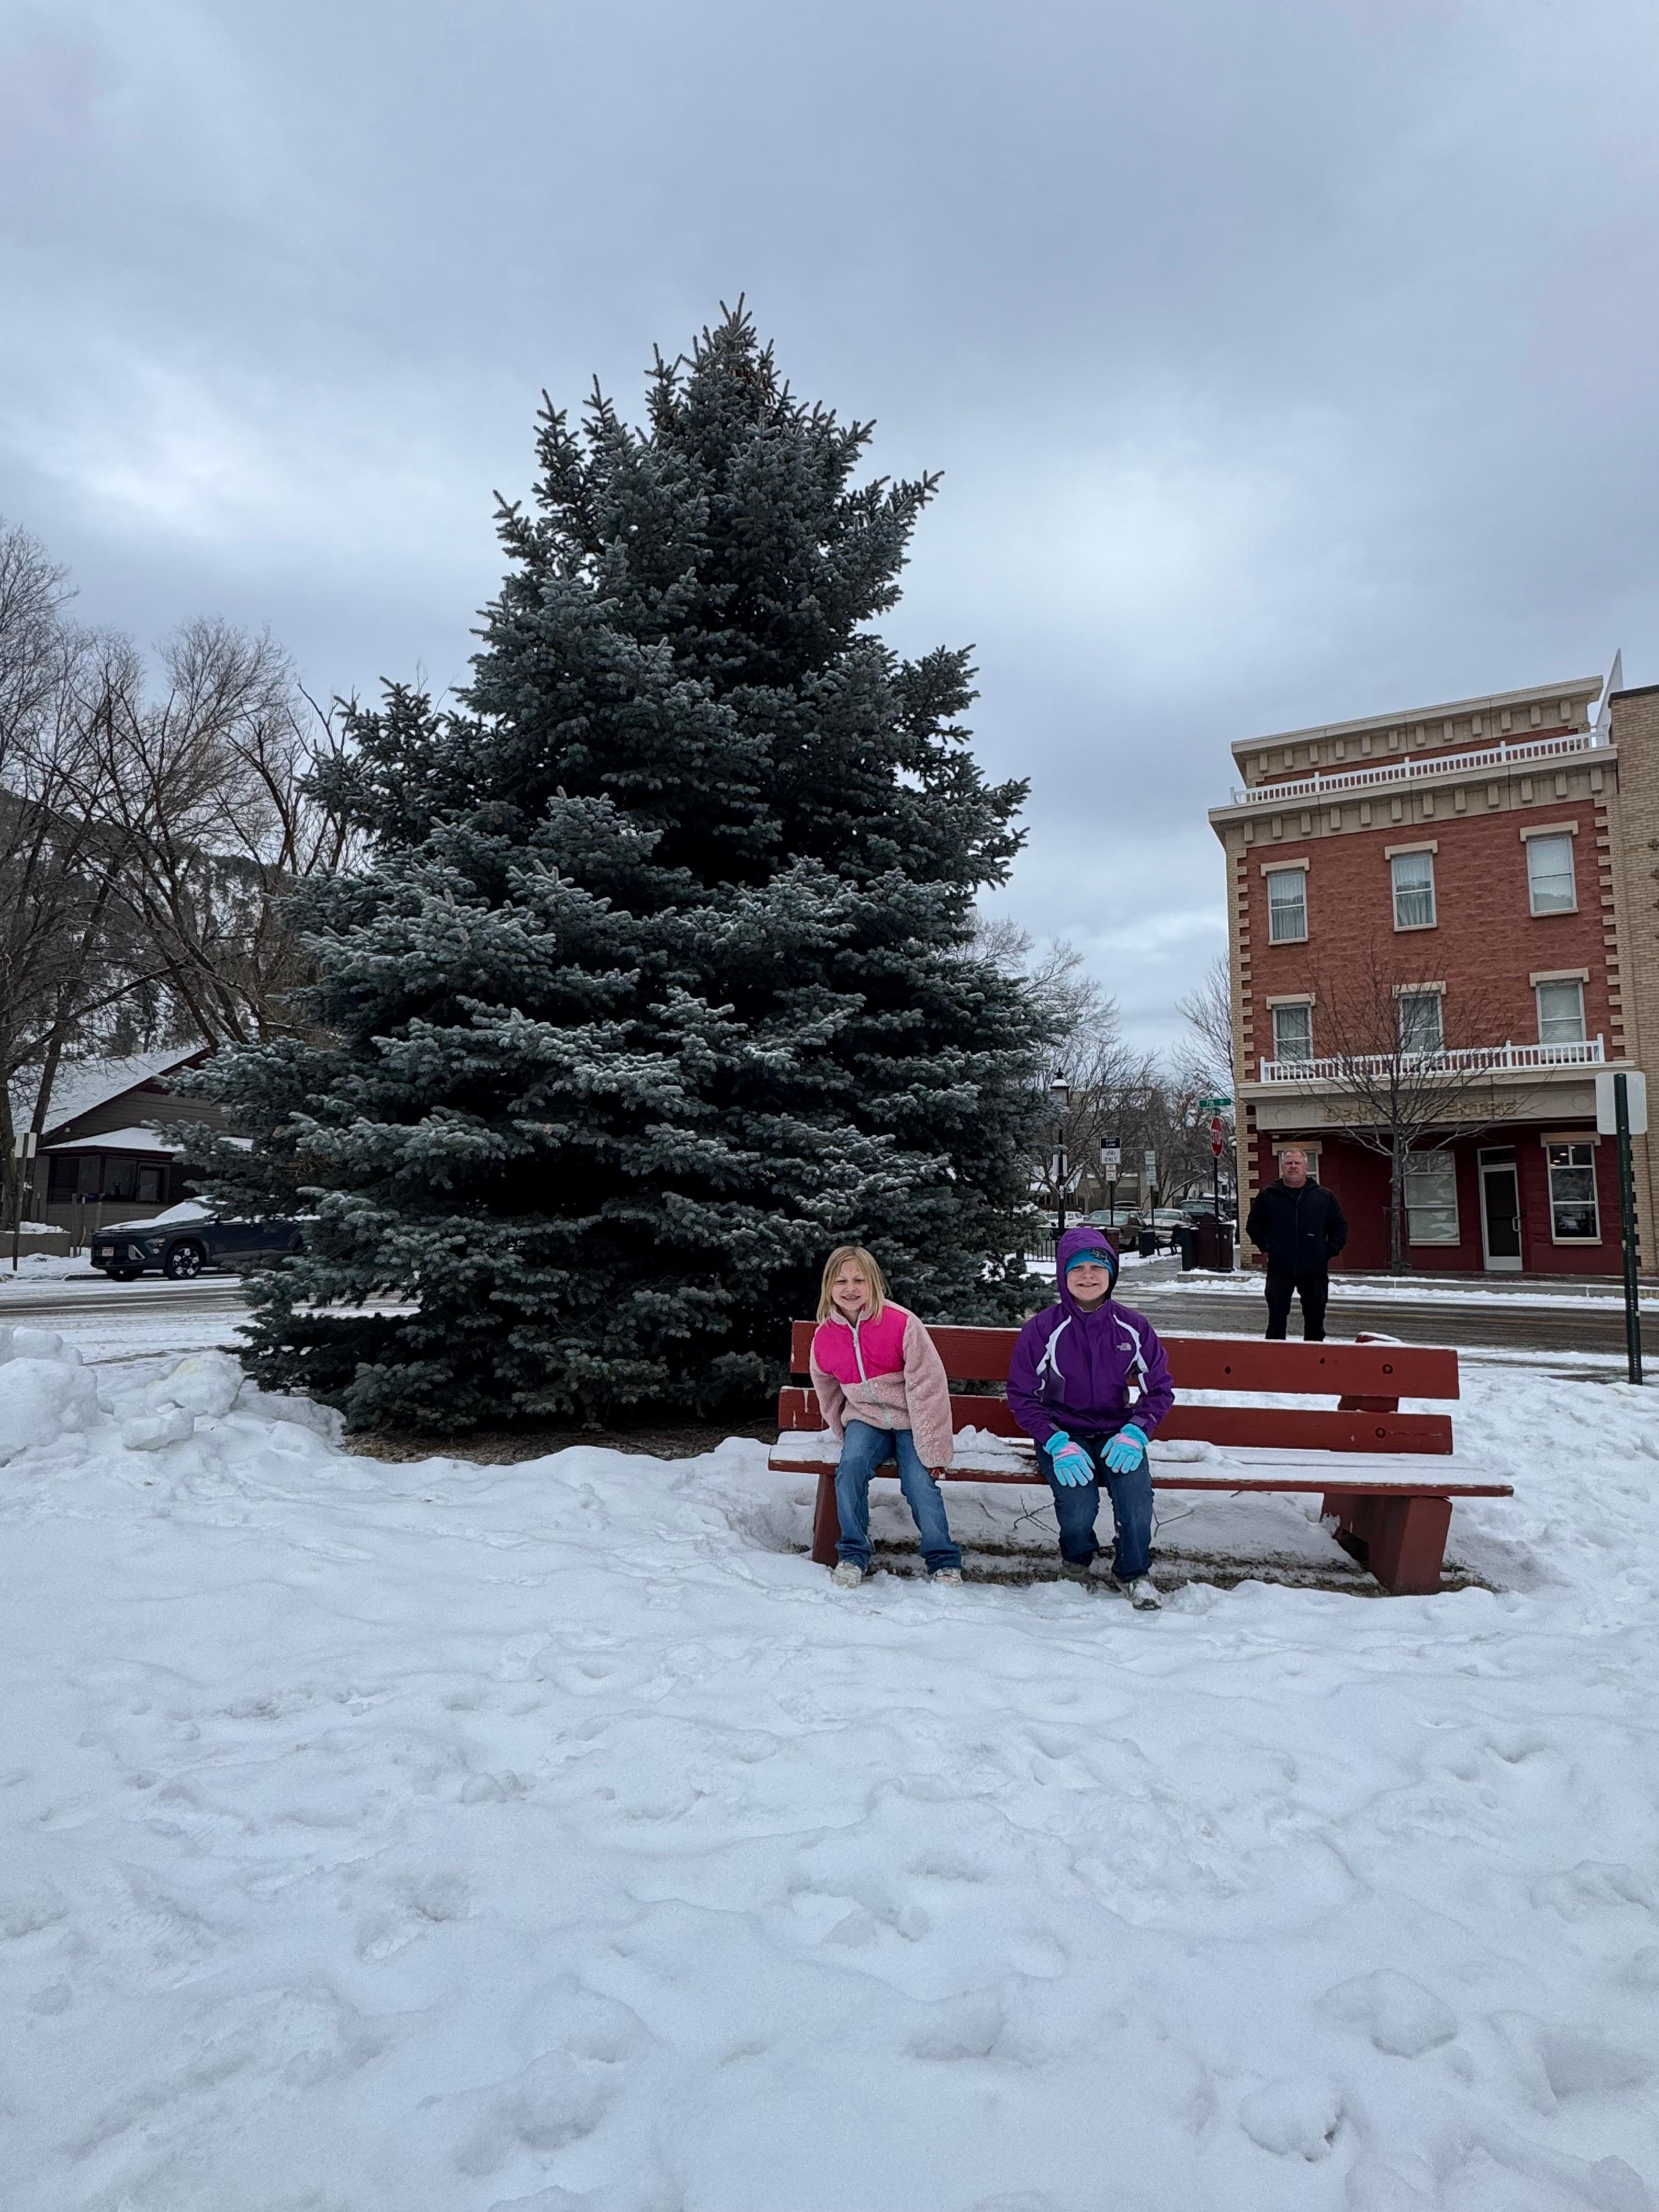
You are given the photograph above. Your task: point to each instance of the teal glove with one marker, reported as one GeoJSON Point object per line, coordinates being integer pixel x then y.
{"type": "Point", "coordinates": [1127, 1449]}
{"type": "Point", "coordinates": [1072, 1464]}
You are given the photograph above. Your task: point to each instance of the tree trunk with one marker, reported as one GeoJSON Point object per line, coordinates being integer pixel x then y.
{"type": "Point", "coordinates": [1396, 1211]}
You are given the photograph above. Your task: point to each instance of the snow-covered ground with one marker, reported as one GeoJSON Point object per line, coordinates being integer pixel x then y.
{"type": "Point", "coordinates": [426, 1838]}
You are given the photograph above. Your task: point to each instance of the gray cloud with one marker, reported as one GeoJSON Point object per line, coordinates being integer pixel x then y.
{"type": "Point", "coordinates": [1283, 362]}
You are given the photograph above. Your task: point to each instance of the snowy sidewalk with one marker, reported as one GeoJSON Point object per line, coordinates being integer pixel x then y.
{"type": "Point", "coordinates": [433, 1838]}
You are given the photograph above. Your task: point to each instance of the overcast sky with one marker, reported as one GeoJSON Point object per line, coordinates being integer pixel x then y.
{"type": "Point", "coordinates": [1285, 362]}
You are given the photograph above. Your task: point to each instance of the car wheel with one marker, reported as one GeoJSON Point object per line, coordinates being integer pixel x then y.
{"type": "Point", "coordinates": [184, 1261]}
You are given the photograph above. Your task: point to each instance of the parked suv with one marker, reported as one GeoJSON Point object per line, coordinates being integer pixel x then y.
{"type": "Point", "coordinates": [181, 1242]}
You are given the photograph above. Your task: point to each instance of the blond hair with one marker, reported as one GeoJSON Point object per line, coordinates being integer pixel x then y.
{"type": "Point", "coordinates": [875, 1281]}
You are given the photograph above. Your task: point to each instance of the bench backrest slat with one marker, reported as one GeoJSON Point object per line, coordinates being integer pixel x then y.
{"type": "Point", "coordinates": [1222, 1363]}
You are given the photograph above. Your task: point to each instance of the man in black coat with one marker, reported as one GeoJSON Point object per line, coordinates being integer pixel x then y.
{"type": "Point", "coordinates": [1301, 1229]}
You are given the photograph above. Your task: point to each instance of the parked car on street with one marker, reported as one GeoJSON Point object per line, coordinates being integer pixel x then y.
{"type": "Point", "coordinates": [180, 1242]}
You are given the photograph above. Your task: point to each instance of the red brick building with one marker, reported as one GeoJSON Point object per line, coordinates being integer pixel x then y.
{"type": "Point", "coordinates": [1460, 896]}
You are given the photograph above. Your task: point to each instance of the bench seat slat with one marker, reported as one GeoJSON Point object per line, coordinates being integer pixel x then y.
{"type": "Point", "coordinates": [1333, 1485]}
{"type": "Point", "coordinates": [1303, 1427]}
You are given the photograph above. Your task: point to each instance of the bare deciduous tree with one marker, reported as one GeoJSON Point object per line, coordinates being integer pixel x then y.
{"type": "Point", "coordinates": [212, 798]}
{"type": "Point", "coordinates": [147, 837]}
{"type": "Point", "coordinates": [1406, 1070]}
{"type": "Point", "coordinates": [1206, 1068]}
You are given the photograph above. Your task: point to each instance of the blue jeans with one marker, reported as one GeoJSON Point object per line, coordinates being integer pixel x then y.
{"type": "Point", "coordinates": [1075, 1510]}
{"type": "Point", "coordinates": [862, 1454]}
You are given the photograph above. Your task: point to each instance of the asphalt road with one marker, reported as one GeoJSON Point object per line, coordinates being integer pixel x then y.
{"type": "Point", "coordinates": [1506, 1326]}
{"type": "Point", "coordinates": [1509, 1325]}
{"type": "Point", "coordinates": [213, 1292]}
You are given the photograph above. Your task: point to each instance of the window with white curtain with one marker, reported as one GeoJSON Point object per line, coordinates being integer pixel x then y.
{"type": "Point", "coordinates": [1287, 905]}
{"type": "Point", "coordinates": [1292, 1032]}
{"type": "Point", "coordinates": [1420, 1025]}
{"type": "Point", "coordinates": [1550, 883]}
{"type": "Point", "coordinates": [1561, 1012]}
{"type": "Point", "coordinates": [1413, 889]}
{"type": "Point", "coordinates": [1431, 1199]}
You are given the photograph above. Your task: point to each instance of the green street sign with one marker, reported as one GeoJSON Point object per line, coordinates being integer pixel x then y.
{"type": "Point", "coordinates": [1214, 1105]}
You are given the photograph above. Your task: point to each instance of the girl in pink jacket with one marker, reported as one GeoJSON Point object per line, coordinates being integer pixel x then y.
{"type": "Point", "coordinates": [882, 1392]}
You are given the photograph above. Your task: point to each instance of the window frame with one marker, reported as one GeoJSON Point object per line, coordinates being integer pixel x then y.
{"type": "Point", "coordinates": [1405, 996]}
{"type": "Point", "coordinates": [1560, 983]}
{"type": "Point", "coordinates": [1304, 1008]}
{"type": "Point", "coordinates": [1441, 1165]}
{"type": "Point", "coordinates": [1425, 857]}
{"type": "Point", "coordinates": [1552, 1167]}
{"type": "Point", "coordinates": [1299, 877]}
{"type": "Point", "coordinates": [1540, 843]}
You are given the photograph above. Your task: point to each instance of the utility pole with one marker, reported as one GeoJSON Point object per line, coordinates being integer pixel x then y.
{"type": "Point", "coordinates": [1622, 1112]}
{"type": "Point", "coordinates": [22, 1152]}
{"type": "Point", "coordinates": [1060, 1091]}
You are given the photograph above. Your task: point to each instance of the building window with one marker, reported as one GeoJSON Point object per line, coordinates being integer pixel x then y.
{"type": "Point", "coordinates": [1413, 889]}
{"type": "Point", "coordinates": [1420, 1027]}
{"type": "Point", "coordinates": [105, 1174]}
{"type": "Point", "coordinates": [1292, 1032]}
{"type": "Point", "coordinates": [1431, 1199]}
{"type": "Point", "coordinates": [1287, 905]}
{"type": "Point", "coordinates": [1560, 1013]}
{"type": "Point", "coordinates": [74, 1175]}
{"type": "Point", "coordinates": [1550, 880]}
{"type": "Point", "coordinates": [1573, 1218]}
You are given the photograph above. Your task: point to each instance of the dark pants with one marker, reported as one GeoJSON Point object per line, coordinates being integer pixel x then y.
{"type": "Point", "coordinates": [1076, 1508]}
{"type": "Point", "coordinates": [1313, 1290]}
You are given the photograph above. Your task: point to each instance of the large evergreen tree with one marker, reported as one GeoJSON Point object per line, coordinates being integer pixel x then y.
{"type": "Point", "coordinates": [660, 978]}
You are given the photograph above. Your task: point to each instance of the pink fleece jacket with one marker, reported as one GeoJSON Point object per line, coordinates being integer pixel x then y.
{"type": "Point", "coordinates": [886, 1372]}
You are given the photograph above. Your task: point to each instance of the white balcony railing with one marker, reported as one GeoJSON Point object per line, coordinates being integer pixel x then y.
{"type": "Point", "coordinates": [1468, 1060]}
{"type": "Point", "coordinates": [1406, 771]}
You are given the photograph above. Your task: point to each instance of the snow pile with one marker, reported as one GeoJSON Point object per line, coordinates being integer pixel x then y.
{"type": "Point", "coordinates": [385, 1836]}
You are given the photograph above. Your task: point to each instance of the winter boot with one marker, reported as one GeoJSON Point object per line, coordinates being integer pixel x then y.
{"type": "Point", "coordinates": [1142, 1593]}
{"type": "Point", "coordinates": [1077, 1571]}
{"type": "Point", "coordinates": [846, 1575]}
{"type": "Point", "coordinates": [950, 1577]}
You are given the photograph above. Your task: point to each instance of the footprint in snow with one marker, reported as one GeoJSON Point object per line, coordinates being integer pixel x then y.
{"type": "Point", "coordinates": [1395, 2014]}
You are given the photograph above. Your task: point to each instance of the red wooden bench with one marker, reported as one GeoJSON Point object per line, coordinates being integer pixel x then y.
{"type": "Point", "coordinates": [1389, 1517]}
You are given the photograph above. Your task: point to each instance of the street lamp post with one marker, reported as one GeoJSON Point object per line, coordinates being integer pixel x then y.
{"type": "Point", "coordinates": [1060, 1092]}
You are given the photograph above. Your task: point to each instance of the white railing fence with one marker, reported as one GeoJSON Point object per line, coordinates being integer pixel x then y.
{"type": "Point", "coordinates": [1465, 1059]}
{"type": "Point", "coordinates": [1405, 769]}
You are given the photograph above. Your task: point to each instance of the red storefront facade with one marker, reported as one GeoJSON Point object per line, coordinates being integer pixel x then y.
{"type": "Point", "coordinates": [1461, 871]}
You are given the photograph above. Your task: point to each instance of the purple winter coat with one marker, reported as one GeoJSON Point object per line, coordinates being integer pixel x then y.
{"type": "Point", "coordinates": [1072, 1369]}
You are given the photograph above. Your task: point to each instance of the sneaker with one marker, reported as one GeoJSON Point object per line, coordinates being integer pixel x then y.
{"type": "Point", "coordinates": [1077, 1571]}
{"type": "Point", "coordinates": [1142, 1593]}
{"type": "Point", "coordinates": [846, 1576]}
{"type": "Point", "coordinates": [950, 1577]}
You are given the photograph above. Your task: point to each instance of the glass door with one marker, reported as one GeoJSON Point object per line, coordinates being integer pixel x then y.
{"type": "Point", "coordinates": [1500, 1213]}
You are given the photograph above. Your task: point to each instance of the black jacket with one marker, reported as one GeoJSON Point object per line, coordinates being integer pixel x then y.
{"type": "Point", "coordinates": [1301, 1232]}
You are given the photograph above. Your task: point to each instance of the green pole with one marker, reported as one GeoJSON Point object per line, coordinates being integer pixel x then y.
{"type": "Point", "coordinates": [1628, 1229]}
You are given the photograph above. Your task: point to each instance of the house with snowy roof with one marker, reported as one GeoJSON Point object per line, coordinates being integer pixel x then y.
{"type": "Point", "coordinates": [106, 1152]}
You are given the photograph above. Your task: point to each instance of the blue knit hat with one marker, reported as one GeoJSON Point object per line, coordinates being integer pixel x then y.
{"type": "Point", "coordinates": [1097, 1256]}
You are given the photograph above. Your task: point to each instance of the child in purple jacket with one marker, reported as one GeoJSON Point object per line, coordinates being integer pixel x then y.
{"type": "Point", "coordinates": [1088, 1384]}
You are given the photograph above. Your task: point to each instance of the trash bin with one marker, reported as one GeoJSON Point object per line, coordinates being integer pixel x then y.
{"type": "Point", "coordinates": [1185, 1243]}
{"type": "Point", "coordinates": [1146, 1243]}
{"type": "Point", "coordinates": [1214, 1242]}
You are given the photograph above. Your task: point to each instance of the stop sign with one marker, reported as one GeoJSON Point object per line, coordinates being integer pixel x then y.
{"type": "Point", "coordinates": [1215, 1136]}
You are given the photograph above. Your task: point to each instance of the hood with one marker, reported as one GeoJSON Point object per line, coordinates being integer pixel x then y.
{"type": "Point", "coordinates": [1084, 1238]}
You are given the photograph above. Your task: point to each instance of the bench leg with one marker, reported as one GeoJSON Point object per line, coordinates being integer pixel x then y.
{"type": "Point", "coordinates": [826, 1523]}
{"type": "Point", "coordinates": [1401, 1540]}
